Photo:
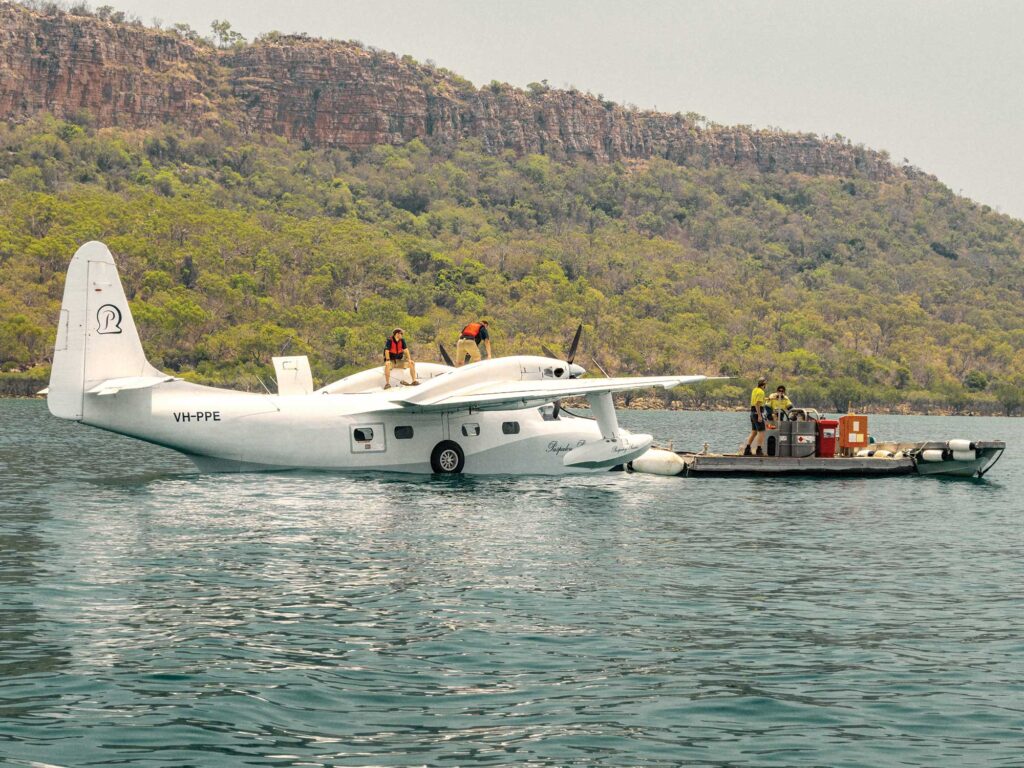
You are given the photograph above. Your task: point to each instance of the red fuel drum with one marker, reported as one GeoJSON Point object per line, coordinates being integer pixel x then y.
{"type": "Point", "coordinates": [828, 429]}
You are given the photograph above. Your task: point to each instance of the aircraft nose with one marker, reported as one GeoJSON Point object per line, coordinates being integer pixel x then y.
{"type": "Point", "coordinates": [575, 371]}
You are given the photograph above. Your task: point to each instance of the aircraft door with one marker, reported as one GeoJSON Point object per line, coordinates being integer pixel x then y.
{"type": "Point", "coordinates": [367, 438]}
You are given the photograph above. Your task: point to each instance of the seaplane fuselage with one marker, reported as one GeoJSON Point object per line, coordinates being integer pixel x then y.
{"type": "Point", "coordinates": [491, 417]}
{"type": "Point", "coordinates": [230, 431]}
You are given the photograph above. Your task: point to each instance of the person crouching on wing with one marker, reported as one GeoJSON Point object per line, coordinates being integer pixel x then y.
{"type": "Point", "coordinates": [780, 404]}
{"type": "Point", "coordinates": [757, 420]}
{"type": "Point", "coordinates": [472, 336]}
{"type": "Point", "coordinates": [398, 355]}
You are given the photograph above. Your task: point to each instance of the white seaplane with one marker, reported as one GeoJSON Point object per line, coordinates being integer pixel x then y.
{"type": "Point", "coordinates": [498, 416]}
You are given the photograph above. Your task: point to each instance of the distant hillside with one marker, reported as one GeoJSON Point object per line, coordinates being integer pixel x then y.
{"type": "Point", "coordinates": [244, 226]}
{"type": "Point", "coordinates": [335, 94]}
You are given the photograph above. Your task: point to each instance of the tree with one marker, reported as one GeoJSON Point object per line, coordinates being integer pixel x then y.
{"type": "Point", "coordinates": [1010, 395]}
{"type": "Point", "coordinates": [224, 35]}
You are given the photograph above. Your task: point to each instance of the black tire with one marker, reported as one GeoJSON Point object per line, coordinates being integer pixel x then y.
{"type": "Point", "coordinates": [447, 458]}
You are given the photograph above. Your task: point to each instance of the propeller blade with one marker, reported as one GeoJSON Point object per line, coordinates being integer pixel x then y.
{"type": "Point", "coordinates": [444, 356]}
{"type": "Point", "coordinates": [575, 343]}
{"type": "Point", "coordinates": [549, 353]}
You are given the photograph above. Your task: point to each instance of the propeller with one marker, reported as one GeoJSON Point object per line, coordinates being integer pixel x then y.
{"type": "Point", "coordinates": [568, 359]}
{"type": "Point", "coordinates": [575, 343]}
{"type": "Point", "coordinates": [572, 347]}
{"type": "Point", "coordinates": [445, 357]}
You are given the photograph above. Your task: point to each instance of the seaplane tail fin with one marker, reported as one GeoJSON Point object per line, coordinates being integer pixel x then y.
{"type": "Point", "coordinates": [96, 335]}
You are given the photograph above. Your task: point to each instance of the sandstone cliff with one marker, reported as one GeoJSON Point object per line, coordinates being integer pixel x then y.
{"type": "Point", "coordinates": [336, 94]}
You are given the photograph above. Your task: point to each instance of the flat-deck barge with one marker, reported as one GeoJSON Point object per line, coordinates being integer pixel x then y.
{"type": "Point", "coordinates": [957, 458]}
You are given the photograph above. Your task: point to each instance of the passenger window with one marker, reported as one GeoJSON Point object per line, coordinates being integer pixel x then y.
{"type": "Point", "coordinates": [363, 435]}
{"type": "Point", "coordinates": [471, 430]}
{"type": "Point", "coordinates": [510, 427]}
{"type": "Point", "coordinates": [403, 433]}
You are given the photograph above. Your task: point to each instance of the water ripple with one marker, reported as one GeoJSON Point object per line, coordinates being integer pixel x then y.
{"type": "Point", "coordinates": [320, 619]}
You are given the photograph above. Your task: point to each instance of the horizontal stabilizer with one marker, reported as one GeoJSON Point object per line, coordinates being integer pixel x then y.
{"type": "Point", "coordinates": [113, 386]}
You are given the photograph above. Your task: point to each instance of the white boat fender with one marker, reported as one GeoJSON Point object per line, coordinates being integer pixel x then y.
{"type": "Point", "coordinates": [863, 453]}
{"type": "Point", "coordinates": [964, 455]}
{"type": "Point", "coordinates": [898, 455]}
{"type": "Point", "coordinates": [883, 454]}
{"type": "Point", "coordinates": [658, 461]}
{"type": "Point", "coordinates": [960, 445]}
{"type": "Point", "coordinates": [931, 455]}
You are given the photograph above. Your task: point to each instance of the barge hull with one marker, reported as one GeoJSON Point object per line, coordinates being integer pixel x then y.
{"type": "Point", "coordinates": [733, 466]}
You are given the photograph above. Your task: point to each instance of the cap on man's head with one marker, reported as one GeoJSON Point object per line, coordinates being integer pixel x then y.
{"type": "Point", "coordinates": [762, 380]}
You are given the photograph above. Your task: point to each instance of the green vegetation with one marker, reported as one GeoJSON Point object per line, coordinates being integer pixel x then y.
{"type": "Point", "coordinates": [232, 250]}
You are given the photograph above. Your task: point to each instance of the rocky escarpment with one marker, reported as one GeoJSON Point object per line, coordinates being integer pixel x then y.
{"type": "Point", "coordinates": [336, 94]}
{"type": "Point", "coordinates": [122, 75]}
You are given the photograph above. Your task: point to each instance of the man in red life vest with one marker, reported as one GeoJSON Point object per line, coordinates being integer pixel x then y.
{"type": "Point", "coordinates": [398, 355]}
{"type": "Point", "coordinates": [472, 336]}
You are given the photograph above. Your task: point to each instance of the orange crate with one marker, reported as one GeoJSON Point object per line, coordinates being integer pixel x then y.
{"type": "Point", "coordinates": [853, 431]}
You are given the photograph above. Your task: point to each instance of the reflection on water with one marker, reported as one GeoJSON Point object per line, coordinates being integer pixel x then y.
{"type": "Point", "coordinates": [28, 649]}
{"type": "Point", "coordinates": [305, 618]}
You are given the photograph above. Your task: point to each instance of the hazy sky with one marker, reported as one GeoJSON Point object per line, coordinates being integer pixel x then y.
{"type": "Point", "coordinates": [939, 82]}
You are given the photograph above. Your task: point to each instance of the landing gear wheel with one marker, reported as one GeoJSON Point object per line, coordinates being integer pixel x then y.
{"type": "Point", "coordinates": [447, 458]}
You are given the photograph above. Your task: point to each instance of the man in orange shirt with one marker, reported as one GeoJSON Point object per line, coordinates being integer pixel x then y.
{"type": "Point", "coordinates": [472, 336]}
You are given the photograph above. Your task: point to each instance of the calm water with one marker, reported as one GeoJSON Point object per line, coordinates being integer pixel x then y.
{"type": "Point", "coordinates": [152, 616]}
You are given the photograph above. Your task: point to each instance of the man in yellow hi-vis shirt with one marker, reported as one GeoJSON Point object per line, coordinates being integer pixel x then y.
{"type": "Point", "coordinates": [780, 403]}
{"type": "Point", "coordinates": [755, 440]}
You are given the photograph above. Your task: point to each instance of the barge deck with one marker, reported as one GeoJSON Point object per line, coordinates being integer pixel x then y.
{"type": "Point", "coordinates": [885, 460]}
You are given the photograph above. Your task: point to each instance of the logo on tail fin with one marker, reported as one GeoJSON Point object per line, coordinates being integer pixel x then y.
{"type": "Point", "coordinates": [108, 318]}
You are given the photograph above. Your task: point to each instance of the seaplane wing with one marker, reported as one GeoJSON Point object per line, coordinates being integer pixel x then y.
{"type": "Point", "coordinates": [511, 395]}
